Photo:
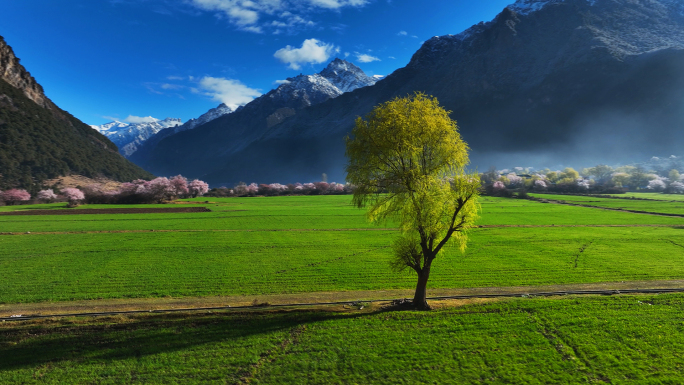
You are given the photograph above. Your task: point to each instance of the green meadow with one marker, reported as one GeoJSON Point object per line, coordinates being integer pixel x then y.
{"type": "Point", "coordinates": [654, 196]}
{"type": "Point", "coordinates": [655, 205]}
{"type": "Point", "coordinates": [304, 245]}
{"type": "Point", "coordinates": [574, 340]}
{"type": "Point", "coordinates": [253, 246]}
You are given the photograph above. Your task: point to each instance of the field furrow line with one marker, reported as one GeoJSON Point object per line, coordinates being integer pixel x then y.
{"type": "Point", "coordinates": [247, 376]}
{"type": "Point", "coordinates": [553, 201]}
{"type": "Point", "coordinates": [581, 250]}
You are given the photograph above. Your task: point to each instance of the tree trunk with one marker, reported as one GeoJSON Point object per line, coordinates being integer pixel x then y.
{"type": "Point", "coordinates": [420, 298]}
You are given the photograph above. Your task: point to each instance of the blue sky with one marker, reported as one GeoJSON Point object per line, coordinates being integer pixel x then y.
{"type": "Point", "coordinates": [131, 59]}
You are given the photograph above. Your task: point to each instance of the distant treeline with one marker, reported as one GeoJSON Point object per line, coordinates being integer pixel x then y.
{"type": "Point", "coordinates": [601, 179]}
{"type": "Point", "coordinates": [275, 189]}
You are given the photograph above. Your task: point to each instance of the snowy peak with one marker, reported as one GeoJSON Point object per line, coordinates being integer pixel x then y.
{"type": "Point", "coordinates": [346, 76]}
{"type": "Point", "coordinates": [581, 28]}
{"type": "Point", "coordinates": [525, 7]}
{"type": "Point", "coordinates": [338, 77]}
{"type": "Point", "coordinates": [207, 117]}
{"type": "Point", "coordinates": [128, 136]}
{"type": "Point", "coordinates": [169, 122]}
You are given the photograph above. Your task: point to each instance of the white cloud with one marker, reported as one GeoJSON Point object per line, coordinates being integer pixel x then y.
{"type": "Point", "coordinates": [259, 15]}
{"type": "Point", "coordinates": [365, 58]}
{"type": "Point", "coordinates": [175, 78]}
{"type": "Point", "coordinates": [231, 92]}
{"type": "Point", "coordinates": [311, 51]}
{"type": "Point", "coordinates": [243, 13]}
{"type": "Point", "coordinates": [336, 4]}
{"type": "Point", "coordinates": [279, 82]}
{"type": "Point", "coordinates": [140, 119]}
{"type": "Point", "coordinates": [378, 76]}
{"type": "Point", "coordinates": [402, 33]}
{"type": "Point", "coordinates": [168, 86]}
{"type": "Point", "coordinates": [391, 57]}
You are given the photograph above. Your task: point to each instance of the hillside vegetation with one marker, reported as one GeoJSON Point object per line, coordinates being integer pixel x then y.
{"type": "Point", "coordinates": [37, 144]}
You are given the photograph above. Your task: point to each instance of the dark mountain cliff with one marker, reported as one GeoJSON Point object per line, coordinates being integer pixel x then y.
{"type": "Point", "coordinates": [573, 81]}
{"type": "Point", "coordinates": [40, 141]}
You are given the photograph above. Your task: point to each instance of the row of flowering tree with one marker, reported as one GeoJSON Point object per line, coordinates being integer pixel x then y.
{"type": "Point", "coordinates": [275, 189]}
{"type": "Point", "coordinates": [601, 179]}
{"type": "Point", "coordinates": [157, 190]}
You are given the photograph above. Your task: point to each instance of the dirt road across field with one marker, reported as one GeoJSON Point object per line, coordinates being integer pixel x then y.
{"type": "Point", "coordinates": [335, 299]}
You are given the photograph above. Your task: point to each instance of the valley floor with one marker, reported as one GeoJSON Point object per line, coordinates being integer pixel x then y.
{"type": "Point", "coordinates": [242, 251]}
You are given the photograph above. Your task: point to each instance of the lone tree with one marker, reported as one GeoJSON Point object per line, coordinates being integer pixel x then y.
{"type": "Point", "coordinates": [407, 161]}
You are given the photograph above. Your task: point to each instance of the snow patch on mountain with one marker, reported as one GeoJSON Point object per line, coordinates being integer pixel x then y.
{"type": "Point", "coordinates": [338, 77]}
{"type": "Point", "coordinates": [207, 117]}
{"type": "Point", "coordinates": [128, 136]}
{"type": "Point", "coordinates": [525, 7]}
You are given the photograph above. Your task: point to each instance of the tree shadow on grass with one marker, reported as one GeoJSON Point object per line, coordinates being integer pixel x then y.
{"type": "Point", "coordinates": [35, 344]}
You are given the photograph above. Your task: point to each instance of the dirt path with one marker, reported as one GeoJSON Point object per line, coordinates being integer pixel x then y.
{"type": "Point", "coordinates": [151, 304]}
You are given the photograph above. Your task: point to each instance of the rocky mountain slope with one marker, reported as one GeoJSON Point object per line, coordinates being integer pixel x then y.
{"type": "Point", "coordinates": [207, 117]}
{"type": "Point", "coordinates": [129, 136]}
{"type": "Point", "coordinates": [39, 141]}
{"type": "Point", "coordinates": [546, 82]}
{"type": "Point", "coordinates": [194, 152]}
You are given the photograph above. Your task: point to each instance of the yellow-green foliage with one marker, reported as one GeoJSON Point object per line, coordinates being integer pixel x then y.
{"type": "Point", "coordinates": [674, 176]}
{"type": "Point", "coordinates": [408, 161]}
{"type": "Point", "coordinates": [569, 173]}
{"type": "Point", "coordinates": [552, 176]}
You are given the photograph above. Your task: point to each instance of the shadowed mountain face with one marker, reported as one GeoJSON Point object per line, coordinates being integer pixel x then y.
{"type": "Point", "coordinates": [206, 147]}
{"type": "Point", "coordinates": [39, 141]}
{"type": "Point", "coordinates": [576, 82]}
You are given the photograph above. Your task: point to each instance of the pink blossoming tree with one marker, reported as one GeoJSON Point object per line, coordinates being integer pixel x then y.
{"type": "Point", "coordinates": [73, 195]}
{"type": "Point", "coordinates": [47, 195]}
{"type": "Point", "coordinates": [198, 188]}
{"type": "Point", "coordinates": [14, 195]}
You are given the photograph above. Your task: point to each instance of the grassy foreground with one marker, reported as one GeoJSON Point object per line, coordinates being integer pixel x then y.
{"type": "Point", "coordinates": [255, 246]}
{"type": "Point", "coordinates": [620, 340]}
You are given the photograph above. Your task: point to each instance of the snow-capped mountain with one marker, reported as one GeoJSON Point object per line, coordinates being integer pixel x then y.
{"type": "Point", "coordinates": [207, 117]}
{"type": "Point", "coordinates": [232, 132]}
{"type": "Point", "coordinates": [553, 81]}
{"type": "Point", "coordinates": [338, 77]}
{"type": "Point", "coordinates": [128, 136]}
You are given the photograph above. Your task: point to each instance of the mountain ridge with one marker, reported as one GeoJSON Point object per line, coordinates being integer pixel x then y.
{"type": "Point", "coordinates": [128, 136]}
{"type": "Point", "coordinates": [588, 79]}
{"type": "Point", "coordinates": [238, 129]}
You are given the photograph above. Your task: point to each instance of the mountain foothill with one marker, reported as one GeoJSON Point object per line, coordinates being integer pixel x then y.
{"type": "Point", "coordinates": [40, 141]}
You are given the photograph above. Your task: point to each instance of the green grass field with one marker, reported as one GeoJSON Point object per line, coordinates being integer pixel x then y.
{"type": "Point", "coordinates": [619, 340]}
{"type": "Point", "coordinates": [310, 244]}
{"type": "Point", "coordinates": [654, 196]}
{"type": "Point", "coordinates": [298, 245]}
{"type": "Point", "coordinates": [653, 206]}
